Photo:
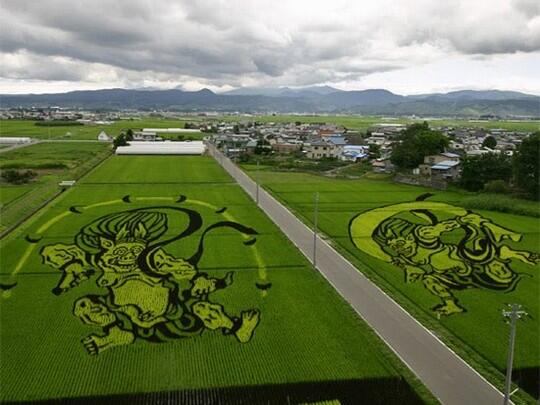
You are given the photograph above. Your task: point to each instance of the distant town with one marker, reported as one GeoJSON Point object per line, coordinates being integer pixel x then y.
{"type": "Point", "coordinates": [242, 137]}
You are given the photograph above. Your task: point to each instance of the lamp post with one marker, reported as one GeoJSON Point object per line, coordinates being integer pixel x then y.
{"type": "Point", "coordinates": [257, 183]}
{"type": "Point", "coordinates": [513, 314]}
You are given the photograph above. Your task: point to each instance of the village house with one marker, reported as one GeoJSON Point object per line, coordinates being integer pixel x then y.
{"type": "Point", "coordinates": [286, 147]}
{"type": "Point", "coordinates": [431, 160]}
{"type": "Point", "coordinates": [354, 153]}
{"type": "Point", "coordinates": [382, 166]}
{"type": "Point", "coordinates": [323, 148]}
{"type": "Point", "coordinates": [443, 166]}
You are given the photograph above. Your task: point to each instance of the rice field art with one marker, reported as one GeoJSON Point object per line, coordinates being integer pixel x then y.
{"type": "Point", "coordinates": [445, 247]}
{"type": "Point", "coordinates": [147, 293]}
{"type": "Point", "coordinates": [378, 224]}
{"type": "Point", "coordinates": [157, 279]}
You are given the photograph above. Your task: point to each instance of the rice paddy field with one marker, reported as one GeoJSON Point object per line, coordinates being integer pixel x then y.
{"type": "Point", "coordinates": [78, 132]}
{"type": "Point", "coordinates": [157, 278]}
{"type": "Point", "coordinates": [52, 162]}
{"type": "Point", "coordinates": [362, 123]}
{"type": "Point", "coordinates": [452, 268]}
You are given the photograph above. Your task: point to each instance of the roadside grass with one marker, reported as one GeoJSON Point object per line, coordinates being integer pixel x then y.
{"type": "Point", "coordinates": [479, 335]}
{"type": "Point", "coordinates": [307, 333]}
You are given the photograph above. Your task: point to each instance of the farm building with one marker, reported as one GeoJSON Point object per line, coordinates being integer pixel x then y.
{"type": "Point", "coordinates": [103, 137]}
{"type": "Point", "coordinates": [162, 148]}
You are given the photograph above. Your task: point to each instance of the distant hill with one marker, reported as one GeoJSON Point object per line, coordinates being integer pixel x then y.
{"type": "Point", "coordinates": [315, 99]}
{"type": "Point", "coordinates": [476, 95]}
{"type": "Point", "coordinates": [282, 91]}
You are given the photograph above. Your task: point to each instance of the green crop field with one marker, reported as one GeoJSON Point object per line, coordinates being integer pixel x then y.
{"type": "Point", "coordinates": [9, 194]}
{"type": "Point", "coordinates": [361, 123]}
{"type": "Point", "coordinates": [53, 162]}
{"type": "Point", "coordinates": [28, 128]}
{"type": "Point", "coordinates": [158, 277]}
{"type": "Point", "coordinates": [451, 268]}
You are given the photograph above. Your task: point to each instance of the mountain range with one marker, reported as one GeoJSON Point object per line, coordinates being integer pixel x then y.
{"type": "Point", "coordinates": [314, 99]}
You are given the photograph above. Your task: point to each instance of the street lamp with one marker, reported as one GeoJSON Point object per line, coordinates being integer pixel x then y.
{"type": "Point", "coordinates": [257, 183]}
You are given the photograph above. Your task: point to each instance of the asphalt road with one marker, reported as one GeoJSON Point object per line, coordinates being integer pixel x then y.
{"type": "Point", "coordinates": [17, 146]}
{"type": "Point", "coordinates": [443, 372]}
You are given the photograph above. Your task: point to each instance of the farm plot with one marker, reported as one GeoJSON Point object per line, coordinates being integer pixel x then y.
{"type": "Point", "coordinates": [362, 123]}
{"type": "Point", "coordinates": [166, 282]}
{"type": "Point", "coordinates": [452, 268]}
{"type": "Point", "coordinates": [78, 132]}
{"type": "Point", "coordinates": [51, 162]}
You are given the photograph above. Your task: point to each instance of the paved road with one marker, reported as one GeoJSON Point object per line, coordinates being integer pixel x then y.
{"type": "Point", "coordinates": [445, 374]}
{"type": "Point", "coordinates": [17, 146]}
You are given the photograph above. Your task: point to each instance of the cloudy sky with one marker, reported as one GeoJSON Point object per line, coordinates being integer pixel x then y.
{"type": "Point", "coordinates": [406, 46]}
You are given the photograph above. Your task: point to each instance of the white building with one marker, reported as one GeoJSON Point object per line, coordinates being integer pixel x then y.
{"type": "Point", "coordinates": [103, 137]}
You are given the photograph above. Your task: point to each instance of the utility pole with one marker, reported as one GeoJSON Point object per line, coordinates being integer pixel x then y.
{"type": "Point", "coordinates": [315, 219]}
{"type": "Point", "coordinates": [513, 313]}
{"type": "Point", "coordinates": [257, 183]}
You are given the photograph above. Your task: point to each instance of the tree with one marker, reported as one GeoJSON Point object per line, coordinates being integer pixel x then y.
{"type": "Point", "coordinates": [236, 129]}
{"type": "Point", "coordinates": [479, 170]}
{"type": "Point", "coordinates": [526, 166]}
{"type": "Point", "coordinates": [489, 142]}
{"type": "Point", "coordinates": [415, 143]}
{"type": "Point", "coordinates": [263, 147]}
{"type": "Point", "coordinates": [18, 177]}
{"type": "Point", "coordinates": [120, 140]}
{"type": "Point", "coordinates": [496, 187]}
{"type": "Point", "coordinates": [374, 151]}
{"type": "Point", "coordinates": [129, 135]}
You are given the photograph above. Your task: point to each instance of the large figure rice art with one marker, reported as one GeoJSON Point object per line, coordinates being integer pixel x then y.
{"type": "Point", "coordinates": [445, 247]}
{"type": "Point", "coordinates": [149, 294]}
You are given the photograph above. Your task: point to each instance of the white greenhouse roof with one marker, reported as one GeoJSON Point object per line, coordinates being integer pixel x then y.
{"type": "Point", "coordinates": [162, 148]}
{"type": "Point", "coordinates": [15, 139]}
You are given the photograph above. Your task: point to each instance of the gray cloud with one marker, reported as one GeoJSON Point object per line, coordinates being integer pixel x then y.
{"type": "Point", "coordinates": [256, 42]}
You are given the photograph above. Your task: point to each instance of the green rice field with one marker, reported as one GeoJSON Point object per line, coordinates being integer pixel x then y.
{"type": "Point", "coordinates": [28, 128]}
{"type": "Point", "coordinates": [52, 162]}
{"type": "Point", "coordinates": [362, 123]}
{"type": "Point", "coordinates": [453, 269]}
{"type": "Point", "coordinates": [157, 278]}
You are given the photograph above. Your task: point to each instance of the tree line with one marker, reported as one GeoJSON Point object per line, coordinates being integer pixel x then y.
{"type": "Point", "coordinates": [493, 172]}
